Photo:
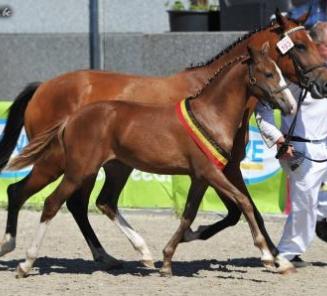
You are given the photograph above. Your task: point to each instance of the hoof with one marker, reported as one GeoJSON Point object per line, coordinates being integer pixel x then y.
{"type": "Point", "coordinates": [166, 272]}
{"type": "Point", "coordinates": [20, 272]}
{"type": "Point", "coordinates": [269, 265]}
{"type": "Point", "coordinates": [288, 271]}
{"type": "Point", "coordinates": [284, 266]}
{"type": "Point", "coordinates": [109, 262]}
{"type": "Point", "coordinates": [6, 246]}
{"type": "Point", "coordinates": [148, 264]}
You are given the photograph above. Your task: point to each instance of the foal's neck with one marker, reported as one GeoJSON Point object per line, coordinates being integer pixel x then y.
{"type": "Point", "coordinates": [221, 106]}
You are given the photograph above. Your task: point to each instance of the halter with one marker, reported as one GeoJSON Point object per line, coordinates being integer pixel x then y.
{"type": "Point", "coordinates": [305, 81]}
{"type": "Point", "coordinates": [268, 93]}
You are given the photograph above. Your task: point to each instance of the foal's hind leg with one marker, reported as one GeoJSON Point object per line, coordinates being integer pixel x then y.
{"type": "Point", "coordinates": [117, 174]}
{"type": "Point", "coordinates": [41, 175]}
{"type": "Point", "coordinates": [234, 175]}
{"type": "Point", "coordinates": [195, 195]}
{"type": "Point", "coordinates": [78, 206]}
{"type": "Point", "coordinates": [51, 206]}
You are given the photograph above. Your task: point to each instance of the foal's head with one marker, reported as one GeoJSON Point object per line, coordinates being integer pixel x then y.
{"type": "Point", "coordinates": [266, 81]}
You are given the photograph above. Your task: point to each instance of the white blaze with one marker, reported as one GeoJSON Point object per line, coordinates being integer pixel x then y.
{"type": "Point", "coordinates": [287, 95]}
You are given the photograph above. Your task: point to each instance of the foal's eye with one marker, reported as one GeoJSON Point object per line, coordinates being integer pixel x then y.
{"type": "Point", "coordinates": [300, 46]}
{"type": "Point", "coordinates": [269, 75]}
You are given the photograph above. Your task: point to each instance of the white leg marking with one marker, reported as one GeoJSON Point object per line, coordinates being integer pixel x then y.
{"type": "Point", "coordinates": [266, 255]}
{"type": "Point", "coordinates": [7, 244]}
{"type": "Point", "coordinates": [135, 239]}
{"type": "Point", "coordinates": [33, 250]}
{"type": "Point", "coordinates": [283, 264]}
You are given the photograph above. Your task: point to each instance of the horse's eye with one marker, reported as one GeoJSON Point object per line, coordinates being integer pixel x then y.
{"type": "Point", "coordinates": [269, 75]}
{"type": "Point", "coordinates": [300, 46]}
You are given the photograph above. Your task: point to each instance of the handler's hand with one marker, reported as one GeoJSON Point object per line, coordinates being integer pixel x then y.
{"type": "Point", "coordinates": [290, 150]}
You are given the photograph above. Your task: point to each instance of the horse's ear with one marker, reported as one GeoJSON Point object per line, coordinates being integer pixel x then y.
{"type": "Point", "coordinates": [281, 20]}
{"type": "Point", "coordinates": [265, 48]}
{"type": "Point", "coordinates": [303, 18]}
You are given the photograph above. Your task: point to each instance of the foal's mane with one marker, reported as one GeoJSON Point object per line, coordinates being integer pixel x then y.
{"type": "Point", "coordinates": [243, 58]}
{"type": "Point", "coordinates": [231, 46]}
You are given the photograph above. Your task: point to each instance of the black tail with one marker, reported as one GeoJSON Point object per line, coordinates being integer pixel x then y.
{"type": "Point", "coordinates": [15, 122]}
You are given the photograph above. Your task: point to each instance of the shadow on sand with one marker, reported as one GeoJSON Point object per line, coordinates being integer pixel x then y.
{"type": "Point", "coordinates": [227, 269]}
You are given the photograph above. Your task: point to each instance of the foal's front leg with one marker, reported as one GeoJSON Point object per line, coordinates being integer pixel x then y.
{"type": "Point", "coordinates": [261, 238]}
{"type": "Point", "coordinates": [195, 194]}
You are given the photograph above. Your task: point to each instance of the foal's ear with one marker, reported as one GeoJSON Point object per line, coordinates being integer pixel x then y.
{"type": "Point", "coordinates": [253, 53]}
{"type": "Point", "coordinates": [265, 49]}
{"type": "Point", "coordinates": [281, 20]}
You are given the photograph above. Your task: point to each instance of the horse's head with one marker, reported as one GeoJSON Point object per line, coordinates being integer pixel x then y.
{"type": "Point", "coordinates": [301, 62]}
{"type": "Point", "coordinates": [266, 81]}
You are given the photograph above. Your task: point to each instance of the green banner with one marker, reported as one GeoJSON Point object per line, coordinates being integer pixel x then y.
{"type": "Point", "coordinates": [260, 170]}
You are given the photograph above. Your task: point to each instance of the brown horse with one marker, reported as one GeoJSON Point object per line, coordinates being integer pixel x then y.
{"type": "Point", "coordinates": [196, 140]}
{"type": "Point", "coordinates": [44, 104]}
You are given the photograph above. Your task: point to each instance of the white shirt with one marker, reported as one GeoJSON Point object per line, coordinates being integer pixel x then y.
{"type": "Point", "coordinates": [311, 122]}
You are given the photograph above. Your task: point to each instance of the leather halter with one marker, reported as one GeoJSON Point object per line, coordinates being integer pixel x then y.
{"type": "Point", "coordinates": [304, 80]}
{"type": "Point", "coordinates": [253, 83]}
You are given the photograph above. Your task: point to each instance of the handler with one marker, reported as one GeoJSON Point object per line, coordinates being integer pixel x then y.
{"type": "Point", "coordinates": [308, 212]}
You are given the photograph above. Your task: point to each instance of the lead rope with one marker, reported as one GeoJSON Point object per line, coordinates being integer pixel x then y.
{"type": "Point", "coordinates": [283, 148]}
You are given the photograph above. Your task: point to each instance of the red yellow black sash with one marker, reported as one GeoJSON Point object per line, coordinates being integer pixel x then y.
{"type": "Point", "coordinates": [207, 145]}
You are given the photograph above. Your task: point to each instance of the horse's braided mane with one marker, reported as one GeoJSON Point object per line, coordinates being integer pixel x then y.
{"type": "Point", "coordinates": [217, 72]}
{"type": "Point", "coordinates": [231, 46]}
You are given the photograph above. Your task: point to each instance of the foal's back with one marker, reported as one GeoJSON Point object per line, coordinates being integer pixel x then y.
{"type": "Point", "coordinates": [146, 137]}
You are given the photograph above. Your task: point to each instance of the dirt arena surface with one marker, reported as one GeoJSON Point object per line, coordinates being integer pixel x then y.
{"type": "Point", "coordinates": [227, 264]}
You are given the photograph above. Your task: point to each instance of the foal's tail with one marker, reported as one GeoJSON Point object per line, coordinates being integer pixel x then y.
{"type": "Point", "coordinates": [38, 147]}
{"type": "Point", "coordinates": [15, 122]}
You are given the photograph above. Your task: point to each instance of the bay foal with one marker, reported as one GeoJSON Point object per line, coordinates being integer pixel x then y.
{"type": "Point", "coordinates": [42, 105]}
{"type": "Point", "coordinates": [194, 137]}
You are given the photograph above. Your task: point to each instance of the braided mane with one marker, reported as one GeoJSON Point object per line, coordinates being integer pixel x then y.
{"type": "Point", "coordinates": [221, 69]}
{"type": "Point", "coordinates": [231, 46]}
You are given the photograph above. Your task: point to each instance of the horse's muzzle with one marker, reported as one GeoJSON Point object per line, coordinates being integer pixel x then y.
{"type": "Point", "coordinates": [318, 89]}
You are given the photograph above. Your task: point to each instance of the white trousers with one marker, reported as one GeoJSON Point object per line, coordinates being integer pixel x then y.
{"type": "Point", "coordinates": [307, 206]}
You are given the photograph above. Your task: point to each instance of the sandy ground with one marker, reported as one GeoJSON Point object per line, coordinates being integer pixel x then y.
{"type": "Point", "coordinates": [227, 264]}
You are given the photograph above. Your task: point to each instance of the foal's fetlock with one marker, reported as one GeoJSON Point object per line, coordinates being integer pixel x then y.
{"type": "Point", "coordinates": [7, 244]}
